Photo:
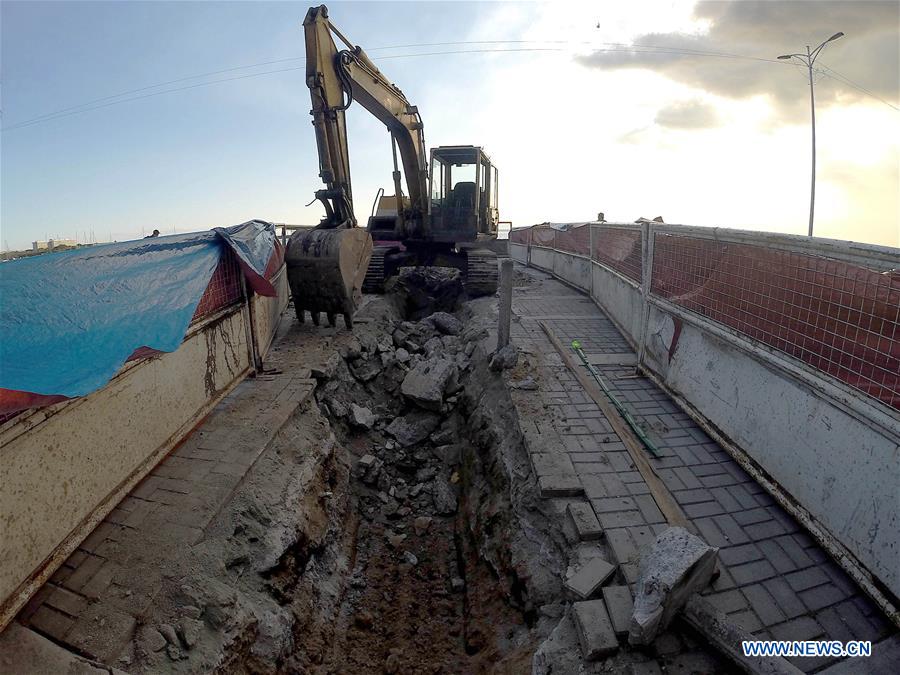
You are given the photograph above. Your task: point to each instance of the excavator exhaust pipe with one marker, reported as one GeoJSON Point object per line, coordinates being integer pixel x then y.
{"type": "Point", "coordinates": [325, 270]}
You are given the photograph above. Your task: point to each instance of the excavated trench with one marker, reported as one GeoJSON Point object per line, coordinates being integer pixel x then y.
{"type": "Point", "coordinates": [393, 526]}
{"type": "Point", "coordinates": [442, 559]}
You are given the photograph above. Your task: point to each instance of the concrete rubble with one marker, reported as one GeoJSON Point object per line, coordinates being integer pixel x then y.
{"type": "Point", "coordinates": [677, 565]}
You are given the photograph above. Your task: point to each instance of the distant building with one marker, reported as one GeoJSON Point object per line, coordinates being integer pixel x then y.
{"type": "Point", "coordinates": [50, 244]}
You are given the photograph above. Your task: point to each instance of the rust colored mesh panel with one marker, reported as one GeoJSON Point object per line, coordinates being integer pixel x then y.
{"type": "Point", "coordinates": [620, 250]}
{"type": "Point", "coordinates": [521, 235]}
{"type": "Point", "coordinates": [224, 287]}
{"type": "Point", "coordinates": [542, 235]}
{"type": "Point", "coordinates": [837, 317]}
{"type": "Point", "coordinates": [575, 240]}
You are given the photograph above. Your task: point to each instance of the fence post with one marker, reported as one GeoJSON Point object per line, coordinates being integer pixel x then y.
{"type": "Point", "coordinates": [591, 256]}
{"type": "Point", "coordinates": [506, 283]}
{"type": "Point", "coordinates": [647, 238]}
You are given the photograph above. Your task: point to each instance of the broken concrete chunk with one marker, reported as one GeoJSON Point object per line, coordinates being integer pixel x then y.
{"type": "Point", "coordinates": [426, 383]}
{"type": "Point", "coordinates": [361, 418]}
{"type": "Point", "coordinates": [675, 566]}
{"type": "Point", "coordinates": [595, 631]}
{"type": "Point", "coordinates": [366, 369]}
{"type": "Point", "coordinates": [413, 427]}
{"type": "Point", "coordinates": [588, 579]}
{"type": "Point", "coordinates": [444, 497]}
{"type": "Point", "coordinates": [326, 369]}
{"type": "Point", "coordinates": [446, 323]}
{"type": "Point", "coordinates": [526, 384]}
{"type": "Point", "coordinates": [504, 358]}
{"type": "Point", "coordinates": [401, 355]}
{"type": "Point", "coordinates": [189, 632]}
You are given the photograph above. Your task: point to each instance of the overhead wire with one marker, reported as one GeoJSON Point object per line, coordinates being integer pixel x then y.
{"type": "Point", "coordinates": [125, 96]}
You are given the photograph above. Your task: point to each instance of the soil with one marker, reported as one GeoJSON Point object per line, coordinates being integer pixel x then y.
{"type": "Point", "coordinates": [441, 559]}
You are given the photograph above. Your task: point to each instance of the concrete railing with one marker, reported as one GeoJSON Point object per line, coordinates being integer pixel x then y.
{"type": "Point", "coordinates": [783, 348]}
{"type": "Point", "coordinates": [65, 467]}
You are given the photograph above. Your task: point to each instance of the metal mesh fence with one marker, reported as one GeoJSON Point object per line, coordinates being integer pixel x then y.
{"type": "Point", "coordinates": [521, 235]}
{"type": "Point", "coordinates": [224, 287]}
{"type": "Point", "coordinates": [543, 235]}
{"type": "Point", "coordinates": [575, 240]}
{"type": "Point", "coordinates": [837, 317]}
{"type": "Point", "coordinates": [619, 249]}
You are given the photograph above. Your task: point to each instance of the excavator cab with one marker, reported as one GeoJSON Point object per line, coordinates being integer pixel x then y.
{"type": "Point", "coordinates": [463, 194]}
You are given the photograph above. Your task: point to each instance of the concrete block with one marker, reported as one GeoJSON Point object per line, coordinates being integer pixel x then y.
{"type": "Point", "coordinates": [677, 565]}
{"type": "Point", "coordinates": [552, 464]}
{"type": "Point", "coordinates": [620, 605]}
{"type": "Point", "coordinates": [560, 486]}
{"type": "Point", "coordinates": [589, 577]}
{"type": "Point", "coordinates": [595, 631]}
{"type": "Point", "coordinates": [586, 524]}
{"type": "Point", "coordinates": [425, 384]}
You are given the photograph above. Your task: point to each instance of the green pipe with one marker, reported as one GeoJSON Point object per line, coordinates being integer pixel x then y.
{"type": "Point", "coordinates": [576, 345]}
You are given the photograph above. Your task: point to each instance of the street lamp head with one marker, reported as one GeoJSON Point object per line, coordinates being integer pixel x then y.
{"type": "Point", "coordinates": [835, 37]}
{"type": "Point", "coordinates": [786, 56]}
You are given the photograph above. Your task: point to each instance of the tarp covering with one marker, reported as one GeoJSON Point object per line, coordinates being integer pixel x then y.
{"type": "Point", "coordinates": [69, 321]}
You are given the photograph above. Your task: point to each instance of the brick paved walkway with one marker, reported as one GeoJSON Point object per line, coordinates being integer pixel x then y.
{"type": "Point", "coordinates": [775, 581]}
{"type": "Point", "coordinates": [92, 603]}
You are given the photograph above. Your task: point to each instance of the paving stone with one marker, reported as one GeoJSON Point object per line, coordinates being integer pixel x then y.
{"type": "Point", "coordinates": [585, 521]}
{"type": "Point", "coordinates": [50, 622]}
{"type": "Point", "coordinates": [601, 486]}
{"type": "Point", "coordinates": [784, 595]}
{"type": "Point", "coordinates": [619, 605]}
{"type": "Point", "coordinates": [776, 555]}
{"type": "Point", "coordinates": [621, 519]}
{"type": "Point", "coordinates": [649, 510]}
{"type": "Point", "coordinates": [552, 464]}
{"type": "Point", "coordinates": [66, 601]}
{"type": "Point", "coordinates": [738, 555]}
{"type": "Point", "coordinates": [560, 486]}
{"type": "Point", "coordinates": [764, 604]}
{"type": "Point", "coordinates": [818, 597]}
{"type": "Point", "coordinates": [750, 573]}
{"type": "Point", "coordinates": [623, 545]}
{"type": "Point", "coordinates": [693, 496]}
{"type": "Point", "coordinates": [730, 529]}
{"type": "Point", "coordinates": [83, 573]}
{"type": "Point", "coordinates": [588, 579]}
{"type": "Point", "coordinates": [595, 630]}
{"type": "Point", "coordinates": [727, 601]}
{"type": "Point", "coordinates": [752, 516]}
{"type": "Point", "coordinates": [801, 628]}
{"type": "Point", "coordinates": [808, 578]}
{"type": "Point", "coordinates": [746, 620]}
{"type": "Point", "coordinates": [703, 509]}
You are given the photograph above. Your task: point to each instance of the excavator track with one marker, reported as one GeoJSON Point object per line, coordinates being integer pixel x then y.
{"type": "Point", "coordinates": [481, 272]}
{"type": "Point", "coordinates": [374, 279]}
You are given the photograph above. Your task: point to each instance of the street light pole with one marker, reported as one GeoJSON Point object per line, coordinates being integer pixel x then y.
{"type": "Point", "coordinates": [808, 60]}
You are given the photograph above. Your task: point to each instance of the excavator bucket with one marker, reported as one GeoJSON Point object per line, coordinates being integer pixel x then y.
{"type": "Point", "coordinates": [325, 270]}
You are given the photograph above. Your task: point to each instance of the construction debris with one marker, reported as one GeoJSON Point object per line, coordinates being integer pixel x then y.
{"type": "Point", "coordinates": [677, 565]}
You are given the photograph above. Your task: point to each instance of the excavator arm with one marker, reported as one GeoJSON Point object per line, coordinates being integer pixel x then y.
{"type": "Point", "coordinates": [337, 78]}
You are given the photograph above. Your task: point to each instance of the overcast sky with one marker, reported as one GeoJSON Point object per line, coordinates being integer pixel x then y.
{"type": "Point", "coordinates": [676, 109]}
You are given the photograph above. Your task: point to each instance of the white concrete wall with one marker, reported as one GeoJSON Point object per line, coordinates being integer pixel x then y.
{"type": "Point", "coordinates": [842, 468]}
{"type": "Point", "coordinates": [834, 452]}
{"type": "Point", "coordinates": [267, 311]}
{"type": "Point", "coordinates": [518, 252]}
{"type": "Point", "coordinates": [543, 258]}
{"type": "Point", "coordinates": [574, 269]}
{"type": "Point", "coordinates": [620, 299]}
{"type": "Point", "coordinates": [63, 468]}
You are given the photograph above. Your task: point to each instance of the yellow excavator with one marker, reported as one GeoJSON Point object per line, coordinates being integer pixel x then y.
{"type": "Point", "coordinates": [445, 218]}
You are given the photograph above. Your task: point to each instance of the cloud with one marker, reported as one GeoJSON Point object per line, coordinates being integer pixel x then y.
{"type": "Point", "coordinates": [691, 114]}
{"type": "Point", "coordinates": [869, 54]}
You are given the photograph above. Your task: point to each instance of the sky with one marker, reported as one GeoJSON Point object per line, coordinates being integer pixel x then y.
{"type": "Point", "coordinates": [642, 108]}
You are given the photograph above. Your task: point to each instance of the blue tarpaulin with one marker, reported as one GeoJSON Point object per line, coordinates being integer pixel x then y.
{"type": "Point", "coordinates": [69, 321]}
